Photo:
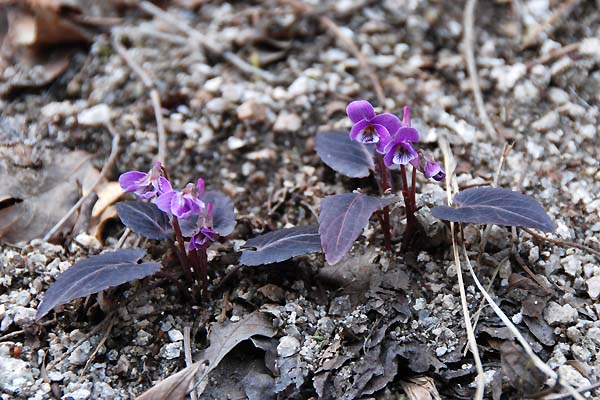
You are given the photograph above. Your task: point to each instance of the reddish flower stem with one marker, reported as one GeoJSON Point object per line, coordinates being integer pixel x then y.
{"type": "Point", "coordinates": [201, 256]}
{"type": "Point", "coordinates": [184, 258]}
{"type": "Point", "coordinates": [384, 187]}
{"type": "Point", "coordinates": [410, 204]}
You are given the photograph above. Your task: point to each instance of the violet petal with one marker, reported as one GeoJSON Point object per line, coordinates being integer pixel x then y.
{"type": "Point", "coordinates": [360, 110]}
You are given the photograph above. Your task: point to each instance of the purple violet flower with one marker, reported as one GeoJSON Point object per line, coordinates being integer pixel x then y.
{"type": "Point", "coordinates": [205, 231]}
{"type": "Point", "coordinates": [183, 203]}
{"type": "Point", "coordinates": [398, 150]}
{"type": "Point", "coordinates": [428, 166]}
{"type": "Point", "coordinates": [145, 185]}
{"type": "Point", "coordinates": [368, 127]}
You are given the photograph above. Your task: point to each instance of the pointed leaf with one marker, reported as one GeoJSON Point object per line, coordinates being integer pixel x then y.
{"type": "Point", "coordinates": [343, 218]}
{"type": "Point", "coordinates": [348, 157]}
{"type": "Point", "coordinates": [281, 245]}
{"type": "Point", "coordinates": [145, 219]}
{"type": "Point", "coordinates": [94, 274]}
{"type": "Point", "coordinates": [223, 212]}
{"type": "Point", "coordinates": [223, 215]}
{"type": "Point", "coordinates": [488, 205]}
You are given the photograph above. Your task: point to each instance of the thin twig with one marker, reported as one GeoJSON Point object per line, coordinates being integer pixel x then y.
{"type": "Point", "coordinates": [22, 331]}
{"type": "Point", "coordinates": [554, 54]}
{"type": "Point", "coordinates": [88, 335]}
{"type": "Point", "coordinates": [123, 238]}
{"type": "Point", "coordinates": [549, 25]}
{"type": "Point", "coordinates": [582, 390]}
{"type": "Point", "coordinates": [468, 26]}
{"type": "Point", "coordinates": [187, 351]}
{"type": "Point", "coordinates": [107, 166]}
{"type": "Point", "coordinates": [347, 42]}
{"type": "Point", "coordinates": [513, 329]}
{"type": "Point", "coordinates": [100, 343]}
{"type": "Point", "coordinates": [463, 296]}
{"type": "Point", "coordinates": [563, 242]}
{"type": "Point", "coordinates": [196, 37]}
{"type": "Point", "coordinates": [154, 96]}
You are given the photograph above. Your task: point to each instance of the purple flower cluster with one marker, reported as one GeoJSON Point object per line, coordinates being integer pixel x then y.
{"type": "Point", "coordinates": [393, 138]}
{"type": "Point", "coordinates": [178, 203]}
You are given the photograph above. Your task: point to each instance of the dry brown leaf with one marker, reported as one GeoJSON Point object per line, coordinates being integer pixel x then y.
{"type": "Point", "coordinates": [32, 200]}
{"type": "Point", "coordinates": [223, 338]}
{"type": "Point", "coordinates": [48, 23]}
{"type": "Point", "coordinates": [420, 388]}
{"type": "Point", "coordinates": [176, 386]}
{"type": "Point", "coordinates": [108, 194]}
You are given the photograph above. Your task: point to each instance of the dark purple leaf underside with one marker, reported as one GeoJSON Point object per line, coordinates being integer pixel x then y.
{"type": "Point", "coordinates": [281, 245]}
{"type": "Point", "coordinates": [145, 219]}
{"type": "Point", "coordinates": [223, 215]}
{"type": "Point", "coordinates": [94, 274]}
{"type": "Point", "coordinates": [343, 218]}
{"type": "Point", "coordinates": [487, 205]}
{"type": "Point", "coordinates": [343, 155]}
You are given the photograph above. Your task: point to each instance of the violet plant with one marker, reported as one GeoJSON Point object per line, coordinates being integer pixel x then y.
{"type": "Point", "coordinates": [162, 213]}
{"type": "Point", "coordinates": [379, 146]}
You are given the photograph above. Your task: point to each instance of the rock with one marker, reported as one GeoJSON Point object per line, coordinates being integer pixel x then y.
{"type": "Point", "coordinates": [593, 287]}
{"type": "Point", "coordinates": [213, 85]}
{"type": "Point", "coordinates": [594, 335]}
{"type": "Point", "coordinates": [555, 314]}
{"type": "Point", "coordinates": [171, 350]}
{"type": "Point", "coordinates": [590, 47]}
{"type": "Point", "coordinates": [235, 143]}
{"type": "Point", "coordinates": [81, 354]}
{"type": "Point", "coordinates": [287, 122]}
{"type": "Point", "coordinates": [251, 110]}
{"type": "Point", "coordinates": [547, 122]}
{"type": "Point", "coordinates": [288, 346]}
{"type": "Point", "coordinates": [572, 265]}
{"type": "Point", "coordinates": [572, 376]}
{"type": "Point", "coordinates": [508, 75]}
{"type": "Point", "coordinates": [272, 292]}
{"type": "Point", "coordinates": [79, 394]}
{"type": "Point", "coordinates": [24, 316]}
{"type": "Point", "coordinates": [175, 335]}
{"type": "Point", "coordinates": [98, 115]}
{"type": "Point", "coordinates": [558, 96]}
{"type": "Point", "coordinates": [15, 376]}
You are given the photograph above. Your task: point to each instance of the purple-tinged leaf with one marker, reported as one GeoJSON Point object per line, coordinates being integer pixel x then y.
{"type": "Point", "coordinates": [145, 219]}
{"type": "Point", "coordinates": [223, 212]}
{"type": "Point", "coordinates": [94, 274]}
{"type": "Point", "coordinates": [343, 218]}
{"type": "Point", "coordinates": [281, 245]}
{"type": "Point", "coordinates": [223, 215]}
{"type": "Point", "coordinates": [349, 158]}
{"type": "Point", "coordinates": [488, 205]}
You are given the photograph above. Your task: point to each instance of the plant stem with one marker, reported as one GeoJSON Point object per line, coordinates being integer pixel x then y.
{"type": "Point", "coordinates": [410, 204]}
{"type": "Point", "coordinates": [203, 271]}
{"type": "Point", "coordinates": [384, 187]}
{"type": "Point", "coordinates": [184, 258]}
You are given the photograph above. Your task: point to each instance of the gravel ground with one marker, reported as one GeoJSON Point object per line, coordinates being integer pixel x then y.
{"type": "Point", "coordinates": [373, 326]}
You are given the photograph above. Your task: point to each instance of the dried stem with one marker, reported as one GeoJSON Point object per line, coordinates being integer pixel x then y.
{"type": "Point", "coordinates": [154, 96]}
{"type": "Point", "coordinates": [347, 42]}
{"type": "Point", "coordinates": [196, 37]}
{"type": "Point", "coordinates": [550, 24]}
{"type": "Point", "coordinates": [107, 166]}
{"type": "Point", "coordinates": [468, 22]}
{"type": "Point", "coordinates": [409, 204]}
{"type": "Point", "coordinates": [563, 242]}
{"type": "Point", "coordinates": [513, 329]}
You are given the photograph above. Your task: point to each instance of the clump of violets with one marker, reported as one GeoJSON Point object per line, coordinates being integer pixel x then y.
{"type": "Point", "coordinates": [394, 140]}
{"type": "Point", "coordinates": [186, 204]}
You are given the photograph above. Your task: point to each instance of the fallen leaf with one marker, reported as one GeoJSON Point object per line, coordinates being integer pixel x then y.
{"type": "Point", "coordinates": [420, 388]}
{"type": "Point", "coordinates": [26, 193]}
{"type": "Point", "coordinates": [223, 338]}
{"type": "Point", "coordinates": [48, 22]}
{"type": "Point", "coordinates": [522, 374]}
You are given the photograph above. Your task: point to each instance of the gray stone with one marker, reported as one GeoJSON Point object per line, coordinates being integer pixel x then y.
{"type": "Point", "coordinates": [547, 122]}
{"type": "Point", "coordinates": [593, 287]}
{"type": "Point", "coordinates": [555, 314]}
{"type": "Point", "coordinates": [288, 346]}
{"type": "Point", "coordinates": [15, 376]}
